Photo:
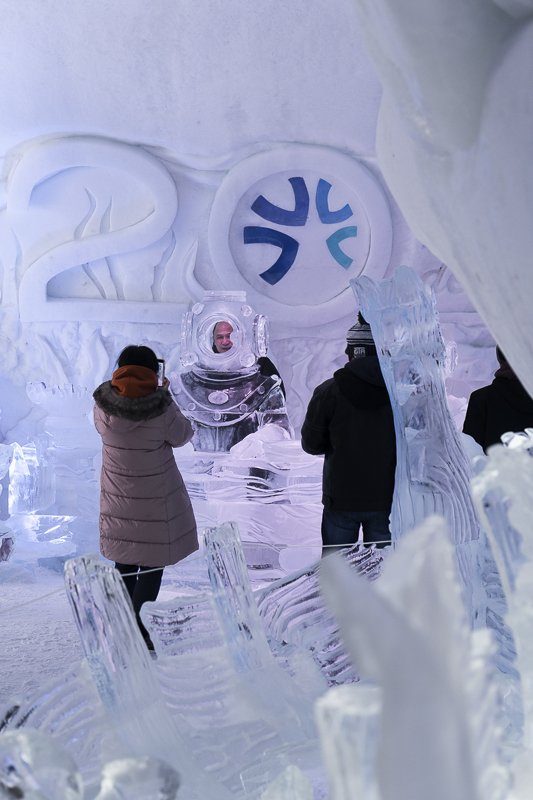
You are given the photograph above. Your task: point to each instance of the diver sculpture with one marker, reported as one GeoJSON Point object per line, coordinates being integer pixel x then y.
{"type": "Point", "coordinates": [231, 388]}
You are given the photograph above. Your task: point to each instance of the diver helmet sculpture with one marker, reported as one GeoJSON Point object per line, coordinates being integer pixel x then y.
{"type": "Point", "coordinates": [228, 388]}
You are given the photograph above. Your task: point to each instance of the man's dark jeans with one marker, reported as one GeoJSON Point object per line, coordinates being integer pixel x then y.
{"type": "Point", "coordinates": [342, 528]}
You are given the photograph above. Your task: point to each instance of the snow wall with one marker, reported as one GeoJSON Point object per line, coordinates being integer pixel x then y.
{"type": "Point", "coordinates": [153, 151]}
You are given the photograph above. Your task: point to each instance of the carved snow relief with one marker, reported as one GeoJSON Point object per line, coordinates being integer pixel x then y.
{"type": "Point", "coordinates": [295, 224]}
{"type": "Point", "coordinates": [93, 222]}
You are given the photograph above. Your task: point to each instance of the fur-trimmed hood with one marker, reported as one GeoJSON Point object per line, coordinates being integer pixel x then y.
{"type": "Point", "coordinates": [132, 408]}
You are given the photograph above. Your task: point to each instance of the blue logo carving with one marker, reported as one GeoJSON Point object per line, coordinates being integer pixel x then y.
{"type": "Point", "coordinates": [289, 247]}
{"type": "Point", "coordinates": [258, 234]}
{"type": "Point", "coordinates": [281, 216]}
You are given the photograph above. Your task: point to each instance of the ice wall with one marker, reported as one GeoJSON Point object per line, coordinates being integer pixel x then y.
{"type": "Point", "coordinates": [454, 140]}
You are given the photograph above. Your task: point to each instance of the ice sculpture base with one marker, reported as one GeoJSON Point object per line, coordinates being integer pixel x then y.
{"type": "Point", "coordinates": [272, 491]}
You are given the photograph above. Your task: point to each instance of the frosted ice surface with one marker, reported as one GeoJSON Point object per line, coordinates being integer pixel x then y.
{"type": "Point", "coordinates": [437, 677]}
{"type": "Point", "coordinates": [278, 696]}
{"type": "Point", "coordinates": [186, 624]}
{"type": "Point", "coordinates": [33, 767]}
{"type": "Point", "coordinates": [348, 719]}
{"type": "Point", "coordinates": [70, 710]}
{"type": "Point", "coordinates": [224, 392]}
{"type": "Point", "coordinates": [198, 710]}
{"type": "Point", "coordinates": [40, 536]}
{"type": "Point", "coordinates": [292, 784]}
{"type": "Point", "coordinates": [6, 452]}
{"type": "Point", "coordinates": [293, 611]}
{"type": "Point", "coordinates": [139, 779]}
{"type": "Point", "coordinates": [432, 472]}
{"type": "Point", "coordinates": [31, 479]}
{"type": "Point", "coordinates": [503, 488]}
{"type": "Point", "coordinates": [123, 672]}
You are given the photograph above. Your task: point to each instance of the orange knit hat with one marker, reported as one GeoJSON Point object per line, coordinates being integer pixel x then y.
{"type": "Point", "coordinates": [133, 381]}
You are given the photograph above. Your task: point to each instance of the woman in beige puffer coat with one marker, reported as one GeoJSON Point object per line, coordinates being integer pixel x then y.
{"type": "Point", "coordinates": [146, 517]}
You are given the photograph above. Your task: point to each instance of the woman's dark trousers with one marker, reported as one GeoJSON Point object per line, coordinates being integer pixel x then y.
{"type": "Point", "coordinates": [142, 586]}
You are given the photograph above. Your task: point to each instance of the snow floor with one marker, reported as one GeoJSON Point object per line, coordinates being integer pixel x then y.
{"type": "Point", "coordinates": [39, 641]}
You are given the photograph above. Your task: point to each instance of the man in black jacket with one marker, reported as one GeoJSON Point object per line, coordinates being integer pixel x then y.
{"type": "Point", "coordinates": [349, 420]}
{"type": "Point", "coordinates": [502, 406]}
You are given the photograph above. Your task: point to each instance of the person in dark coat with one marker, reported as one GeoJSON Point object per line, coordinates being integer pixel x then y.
{"type": "Point", "coordinates": [146, 517]}
{"type": "Point", "coordinates": [349, 420]}
{"type": "Point", "coordinates": [502, 406]}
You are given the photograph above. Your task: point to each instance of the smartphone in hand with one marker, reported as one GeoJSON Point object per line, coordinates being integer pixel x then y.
{"type": "Point", "coordinates": [160, 371]}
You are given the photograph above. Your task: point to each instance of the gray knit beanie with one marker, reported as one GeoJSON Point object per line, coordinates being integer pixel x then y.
{"type": "Point", "coordinates": [359, 336]}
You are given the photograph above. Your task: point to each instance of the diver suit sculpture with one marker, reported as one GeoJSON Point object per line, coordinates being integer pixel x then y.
{"type": "Point", "coordinates": [231, 388]}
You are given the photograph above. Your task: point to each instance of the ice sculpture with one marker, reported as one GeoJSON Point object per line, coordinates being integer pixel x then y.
{"type": "Point", "coordinates": [73, 449]}
{"type": "Point", "coordinates": [139, 779]}
{"type": "Point", "coordinates": [273, 690]}
{"type": "Point", "coordinates": [33, 767]}
{"type": "Point", "coordinates": [31, 478]}
{"type": "Point", "coordinates": [203, 710]}
{"type": "Point", "coordinates": [440, 734]}
{"type": "Point", "coordinates": [229, 390]}
{"type": "Point", "coordinates": [123, 674]}
{"type": "Point", "coordinates": [291, 785]}
{"type": "Point", "coordinates": [7, 540]}
{"type": "Point", "coordinates": [432, 471]}
{"type": "Point", "coordinates": [453, 143]}
{"type": "Point", "coordinates": [293, 612]}
{"type": "Point", "coordinates": [348, 719]}
{"type": "Point", "coordinates": [71, 712]}
{"type": "Point", "coordinates": [31, 489]}
{"type": "Point", "coordinates": [503, 489]}
{"type": "Point", "coordinates": [271, 489]}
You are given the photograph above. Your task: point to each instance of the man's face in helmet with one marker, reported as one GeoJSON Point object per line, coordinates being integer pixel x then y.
{"type": "Point", "coordinates": [222, 337]}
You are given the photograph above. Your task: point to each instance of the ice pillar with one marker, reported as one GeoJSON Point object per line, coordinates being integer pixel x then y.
{"type": "Point", "coordinates": [123, 672]}
{"type": "Point", "coordinates": [432, 472]}
{"type": "Point", "coordinates": [348, 719]}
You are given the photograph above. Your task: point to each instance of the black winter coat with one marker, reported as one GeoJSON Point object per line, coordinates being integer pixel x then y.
{"type": "Point", "coordinates": [349, 420]}
{"type": "Point", "coordinates": [503, 406]}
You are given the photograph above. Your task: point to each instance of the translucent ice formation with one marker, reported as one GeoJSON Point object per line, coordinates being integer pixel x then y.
{"type": "Point", "coordinates": [440, 734]}
{"type": "Point", "coordinates": [224, 711]}
{"type": "Point", "coordinates": [7, 540]}
{"type": "Point", "coordinates": [291, 785]}
{"type": "Point", "coordinates": [33, 767]}
{"type": "Point", "coordinates": [229, 390]}
{"type": "Point", "coordinates": [31, 478]}
{"type": "Point", "coordinates": [432, 471]}
{"type": "Point", "coordinates": [6, 453]}
{"type": "Point", "coordinates": [453, 143]}
{"type": "Point", "coordinates": [73, 448]}
{"type": "Point", "coordinates": [139, 779]}
{"type": "Point", "coordinates": [272, 688]}
{"type": "Point", "coordinates": [348, 719]}
{"type": "Point", "coordinates": [123, 674]}
{"type": "Point", "coordinates": [503, 488]}
{"type": "Point", "coordinates": [293, 611]}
